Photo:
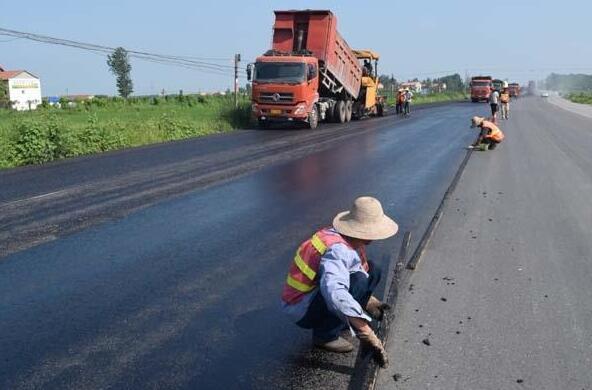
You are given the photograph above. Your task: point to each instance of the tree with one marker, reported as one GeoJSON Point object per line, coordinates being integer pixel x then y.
{"type": "Point", "coordinates": [119, 65]}
{"type": "Point", "coordinates": [453, 82]}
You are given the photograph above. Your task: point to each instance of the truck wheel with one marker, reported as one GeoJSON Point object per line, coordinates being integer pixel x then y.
{"type": "Point", "coordinates": [348, 110]}
{"type": "Point", "coordinates": [340, 111]}
{"type": "Point", "coordinates": [313, 118]}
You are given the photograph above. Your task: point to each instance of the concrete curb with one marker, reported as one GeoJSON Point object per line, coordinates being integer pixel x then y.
{"type": "Point", "coordinates": [366, 370]}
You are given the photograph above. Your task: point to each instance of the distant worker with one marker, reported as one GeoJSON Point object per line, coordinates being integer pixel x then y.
{"type": "Point", "coordinates": [330, 282]}
{"type": "Point", "coordinates": [493, 102]}
{"type": "Point", "coordinates": [400, 101]}
{"type": "Point", "coordinates": [505, 102]}
{"type": "Point", "coordinates": [408, 98]}
{"type": "Point", "coordinates": [490, 135]}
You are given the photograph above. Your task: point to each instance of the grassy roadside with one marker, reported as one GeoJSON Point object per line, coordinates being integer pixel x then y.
{"type": "Point", "coordinates": [104, 124]}
{"type": "Point", "coordinates": [580, 97]}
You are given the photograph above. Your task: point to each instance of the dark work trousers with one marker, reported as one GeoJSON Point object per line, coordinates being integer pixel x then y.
{"type": "Point", "coordinates": [407, 108]}
{"type": "Point", "coordinates": [324, 323]}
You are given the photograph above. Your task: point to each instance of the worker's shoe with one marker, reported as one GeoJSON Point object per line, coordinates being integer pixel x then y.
{"type": "Point", "coordinates": [339, 345]}
{"type": "Point", "coordinates": [376, 308]}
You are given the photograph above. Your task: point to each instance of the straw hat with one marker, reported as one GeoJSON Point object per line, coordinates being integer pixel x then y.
{"type": "Point", "coordinates": [366, 220]}
{"type": "Point", "coordinates": [476, 121]}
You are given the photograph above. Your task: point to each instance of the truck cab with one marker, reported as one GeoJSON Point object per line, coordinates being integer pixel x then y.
{"type": "Point", "coordinates": [481, 88]}
{"type": "Point", "coordinates": [284, 87]}
{"type": "Point", "coordinates": [514, 89]}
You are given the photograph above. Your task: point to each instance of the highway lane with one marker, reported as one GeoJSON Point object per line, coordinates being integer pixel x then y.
{"type": "Point", "coordinates": [183, 290]}
{"type": "Point", "coordinates": [40, 204]}
{"type": "Point", "coordinates": [512, 260]}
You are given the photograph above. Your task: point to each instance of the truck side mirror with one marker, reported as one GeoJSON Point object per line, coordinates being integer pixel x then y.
{"type": "Point", "coordinates": [249, 71]}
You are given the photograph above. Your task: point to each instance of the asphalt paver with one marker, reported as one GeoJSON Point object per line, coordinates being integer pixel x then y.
{"type": "Point", "coordinates": [515, 239]}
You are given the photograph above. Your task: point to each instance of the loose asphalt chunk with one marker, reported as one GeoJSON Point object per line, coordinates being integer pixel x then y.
{"type": "Point", "coordinates": [396, 377]}
{"type": "Point", "coordinates": [426, 342]}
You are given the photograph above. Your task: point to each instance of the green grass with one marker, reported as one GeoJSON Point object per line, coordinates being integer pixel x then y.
{"type": "Point", "coordinates": [48, 133]}
{"type": "Point", "coordinates": [580, 97]}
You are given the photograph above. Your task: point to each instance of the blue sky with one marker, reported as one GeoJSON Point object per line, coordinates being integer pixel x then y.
{"type": "Point", "coordinates": [518, 40]}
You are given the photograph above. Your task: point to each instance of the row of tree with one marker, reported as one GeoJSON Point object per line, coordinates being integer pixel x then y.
{"type": "Point", "coordinates": [569, 82]}
{"type": "Point", "coordinates": [453, 82]}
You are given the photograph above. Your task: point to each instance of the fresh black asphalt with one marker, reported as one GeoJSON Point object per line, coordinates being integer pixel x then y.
{"type": "Point", "coordinates": [161, 267]}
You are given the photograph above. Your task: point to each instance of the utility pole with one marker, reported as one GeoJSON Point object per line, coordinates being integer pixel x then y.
{"type": "Point", "coordinates": [237, 59]}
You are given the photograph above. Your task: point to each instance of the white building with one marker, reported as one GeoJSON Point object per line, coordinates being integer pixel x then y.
{"type": "Point", "coordinates": [24, 88]}
{"type": "Point", "coordinates": [414, 86]}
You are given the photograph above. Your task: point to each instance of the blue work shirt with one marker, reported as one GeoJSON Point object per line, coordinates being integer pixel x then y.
{"type": "Point", "coordinates": [335, 268]}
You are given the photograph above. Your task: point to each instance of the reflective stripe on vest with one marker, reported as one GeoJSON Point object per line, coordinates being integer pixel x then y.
{"type": "Point", "coordinates": [303, 273]}
{"type": "Point", "coordinates": [318, 244]}
{"type": "Point", "coordinates": [303, 267]}
{"type": "Point", "coordinates": [304, 288]}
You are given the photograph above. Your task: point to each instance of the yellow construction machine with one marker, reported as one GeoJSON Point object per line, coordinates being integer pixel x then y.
{"type": "Point", "coordinates": [369, 102]}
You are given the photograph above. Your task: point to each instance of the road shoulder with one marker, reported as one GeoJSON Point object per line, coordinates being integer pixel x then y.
{"type": "Point", "coordinates": [577, 108]}
{"type": "Point", "coordinates": [492, 303]}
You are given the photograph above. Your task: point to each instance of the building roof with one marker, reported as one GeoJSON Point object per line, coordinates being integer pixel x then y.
{"type": "Point", "coordinates": [9, 74]}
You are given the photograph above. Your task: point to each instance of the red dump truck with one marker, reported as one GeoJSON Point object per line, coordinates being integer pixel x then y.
{"type": "Point", "coordinates": [514, 89]}
{"type": "Point", "coordinates": [311, 74]}
{"type": "Point", "coordinates": [481, 87]}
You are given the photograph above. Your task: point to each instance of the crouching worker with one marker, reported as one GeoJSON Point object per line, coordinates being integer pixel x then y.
{"type": "Point", "coordinates": [330, 282]}
{"type": "Point", "coordinates": [490, 135]}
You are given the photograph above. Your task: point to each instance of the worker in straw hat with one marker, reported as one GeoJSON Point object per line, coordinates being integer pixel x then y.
{"type": "Point", "coordinates": [490, 135]}
{"type": "Point", "coordinates": [330, 281]}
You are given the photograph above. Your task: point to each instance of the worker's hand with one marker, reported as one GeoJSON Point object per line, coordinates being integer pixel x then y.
{"type": "Point", "coordinates": [368, 338]}
{"type": "Point", "coordinates": [376, 308]}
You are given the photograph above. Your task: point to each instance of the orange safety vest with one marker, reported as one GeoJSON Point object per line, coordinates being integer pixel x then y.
{"type": "Point", "coordinates": [505, 97]}
{"type": "Point", "coordinates": [494, 132]}
{"type": "Point", "coordinates": [303, 275]}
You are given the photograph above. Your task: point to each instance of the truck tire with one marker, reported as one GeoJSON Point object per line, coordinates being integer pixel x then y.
{"type": "Point", "coordinates": [340, 111]}
{"type": "Point", "coordinates": [313, 118]}
{"type": "Point", "coordinates": [348, 110]}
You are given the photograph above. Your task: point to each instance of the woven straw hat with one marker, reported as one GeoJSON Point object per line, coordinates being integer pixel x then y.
{"type": "Point", "coordinates": [366, 220]}
{"type": "Point", "coordinates": [476, 121]}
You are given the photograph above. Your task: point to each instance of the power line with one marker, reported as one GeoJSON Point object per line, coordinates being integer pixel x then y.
{"type": "Point", "coordinates": [195, 63]}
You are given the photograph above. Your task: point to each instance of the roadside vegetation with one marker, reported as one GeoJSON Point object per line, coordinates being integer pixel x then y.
{"type": "Point", "coordinates": [580, 97]}
{"type": "Point", "coordinates": [106, 123]}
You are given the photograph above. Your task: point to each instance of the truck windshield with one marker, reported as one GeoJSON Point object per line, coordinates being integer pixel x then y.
{"type": "Point", "coordinates": [480, 84]}
{"type": "Point", "coordinates": [280, 72]}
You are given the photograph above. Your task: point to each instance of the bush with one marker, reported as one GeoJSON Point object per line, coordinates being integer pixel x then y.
{"type": "Point", "coordinates": [33, 143]}
{"type": "Point", "coordinates": [95, 138]}
{"type": "Point", "coordinates": [173, 129]}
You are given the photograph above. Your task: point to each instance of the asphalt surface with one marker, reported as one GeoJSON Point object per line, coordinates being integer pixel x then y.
{"type": "Point", "coordinates": [503, 293]}
{"type": "Point", "coordinates": [162, 267]}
